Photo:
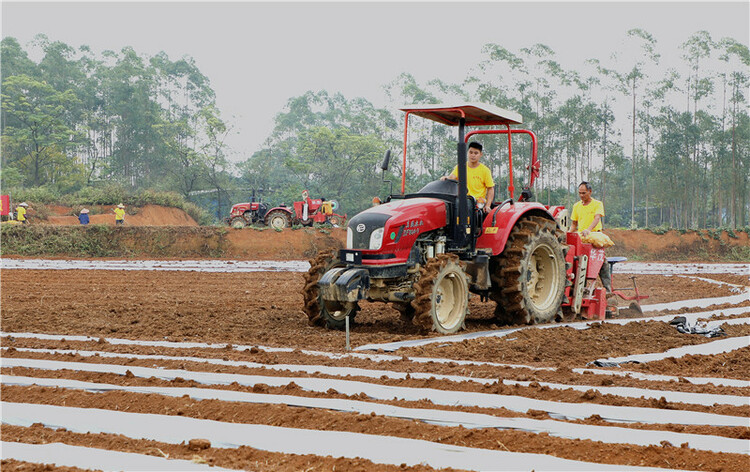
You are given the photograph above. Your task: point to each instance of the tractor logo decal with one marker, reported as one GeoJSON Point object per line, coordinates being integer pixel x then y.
{"type": "Point", "coordinates": [490, 230]}
{"type": "Point", "coordinates": [361, 228]}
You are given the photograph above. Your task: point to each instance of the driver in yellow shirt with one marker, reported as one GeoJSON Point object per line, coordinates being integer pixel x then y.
{"type": "Point", "coordinates": [587, 218]}
{"type": "Point", "coordinates": [478, 176]}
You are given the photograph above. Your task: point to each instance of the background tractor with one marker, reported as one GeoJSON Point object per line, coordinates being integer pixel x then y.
{"type": "Point", "coordinates": [425, 252]}
{"type": "Point", "coordinates": [305, 212]}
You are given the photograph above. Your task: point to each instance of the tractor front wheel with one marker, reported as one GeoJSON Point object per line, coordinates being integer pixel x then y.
{"type": "Point", "coordinates": [441, 295]}
{"type": "Point", "coordinates": [277, 219]}
{"type": "Point", "coordinates": [238, 222]}
{"type": "Point", "coordinates": [335, 220]}
{"type": "Point", "coordinates": [319, 312]}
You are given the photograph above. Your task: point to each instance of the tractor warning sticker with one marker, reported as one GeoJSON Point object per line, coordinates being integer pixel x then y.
{"type": "Point", "coordinates": [490, 230]}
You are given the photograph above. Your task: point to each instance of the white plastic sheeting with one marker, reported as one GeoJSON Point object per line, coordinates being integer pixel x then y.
{"type": "Point", "coordinates": [714, 347]}
{"type": "Point", "coordinates": [64, 455]}
{"type": "Point", "coordinates": [190, 266]}
{"type": "Point", "coordinates": [245, 347]}
{"type": "Point", "coordinates": [699, 302]}
{"type": "Point", "coordinates": [630, 392]}
{"type": "Point", "coordinates": [668, 378]}
{"type": "Point", "coordinates": [658, 268]}
{"type": "Point", "coordinates": [607, 434]}
{"type": "Point", "coordinates": [393, 346]}
{"type": "Point", "coordinates": [379, 449]}
{"type": "Point", "coordinates": [661, 268]}
{"type": "Point", "coordinates": [557, 410]}
{"type": "Point", "coordinates": [389, 357]}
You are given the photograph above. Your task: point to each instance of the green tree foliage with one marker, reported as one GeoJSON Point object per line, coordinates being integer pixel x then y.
{"type": "Point", "coordinates": [76, 119]}
{"type": "Point", "coordinates": [39, 130]}
{"type": "Point", "coordinates": [662, 146]}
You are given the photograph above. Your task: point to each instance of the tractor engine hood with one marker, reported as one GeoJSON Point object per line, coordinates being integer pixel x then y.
{"type": "Point", "coordinates": [387, 232]}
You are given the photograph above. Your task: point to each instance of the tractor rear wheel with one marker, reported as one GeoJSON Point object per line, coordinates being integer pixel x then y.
{"type": "Point", "coordinates": [319, 312]}
{"type": "Point", "coordinates": [441, 295]}
{"type": "Point", "coordinates": [277, 219]}
{"type": "Point", "coordinates": [531, 273]}
{"type": "Point", "coordinates": [238, 222]}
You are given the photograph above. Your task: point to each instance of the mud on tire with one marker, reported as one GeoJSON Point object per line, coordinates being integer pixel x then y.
{"type": "Point", "coordinates": [441, 295]}
{"type": "Point", "coordinates": [318, 313]}
{"type": "Point", "coordinates": [277, 219]}
{"type": "Point", "coordinates": [529, 276]}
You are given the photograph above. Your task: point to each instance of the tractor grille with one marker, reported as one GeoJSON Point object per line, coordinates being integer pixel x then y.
{"type": "Point", "coordinates": [366, 222]}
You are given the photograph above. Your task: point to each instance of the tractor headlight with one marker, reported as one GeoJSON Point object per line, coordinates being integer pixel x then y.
{"type": "Point", "coordinates": [349, 238]}
{"type": "Point", "coordinates": [376, 238]}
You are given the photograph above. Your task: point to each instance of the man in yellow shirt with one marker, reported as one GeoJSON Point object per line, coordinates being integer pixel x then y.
{"type": "Point", "coordinates": [587, 218]}
{"type": "Point", "coordinates": [478, 176]}
{"type": "Point", "coordinates": [21, 213]}
{"type": "Point", "coordinates": [120, 214]}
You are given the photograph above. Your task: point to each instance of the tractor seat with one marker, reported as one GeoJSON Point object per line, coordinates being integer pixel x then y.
{"type": "Point", "coordinates": [614, 260]}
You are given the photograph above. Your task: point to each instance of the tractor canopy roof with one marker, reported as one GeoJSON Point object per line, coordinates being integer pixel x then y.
{"type": "Point", "coordinates": [476, 114]}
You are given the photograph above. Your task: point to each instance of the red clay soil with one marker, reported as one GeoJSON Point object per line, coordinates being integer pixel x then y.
{"type": "Point", "coordinates": [149, 215]}
{"type": "Point", "coordinates": [265, 309]}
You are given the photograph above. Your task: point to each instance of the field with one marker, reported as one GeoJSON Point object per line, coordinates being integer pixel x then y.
{"type": "Point", "coordinates": [205, 365]}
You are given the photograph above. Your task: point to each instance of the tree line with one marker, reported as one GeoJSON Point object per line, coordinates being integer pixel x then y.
{"type": "Point", "coordinates": [663, 137]}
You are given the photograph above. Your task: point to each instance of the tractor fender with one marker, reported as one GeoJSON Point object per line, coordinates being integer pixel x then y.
{"type": "Point", "coordinates": [500, 221]}
{"type": "Point", "coordinates": [282, 208]}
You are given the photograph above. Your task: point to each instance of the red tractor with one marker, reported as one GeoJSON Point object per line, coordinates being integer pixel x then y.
{"type": "Point", "coordinates": [305, 212]}
{"type": "Point", "coordinates": [425, 252]}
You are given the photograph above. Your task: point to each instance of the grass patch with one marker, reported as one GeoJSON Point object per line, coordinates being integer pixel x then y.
{"type": "Point", "coordinates": [113, 241]}
{"type": "Point", "coordinates": [38, 240]}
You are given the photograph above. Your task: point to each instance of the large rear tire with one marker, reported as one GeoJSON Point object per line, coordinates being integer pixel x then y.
{"type": "Point", "coordinates": [330, 314]}
{"type": "Point", "coordinates": [531, 274]}
{"type": "Point", "coordinates": [441, 295]}
{"type": "Point", "coordinates": [277, 219]}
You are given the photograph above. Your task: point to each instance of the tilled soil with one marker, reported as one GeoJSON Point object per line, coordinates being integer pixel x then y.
{"type": "Point", "coordinates": [264, 309]}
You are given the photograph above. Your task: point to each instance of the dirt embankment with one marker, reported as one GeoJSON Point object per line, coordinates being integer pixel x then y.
{"type": "Point", "coordinates": [679, 245]}
{"type": "Point", "coordinates": [160, 232]}
{"type": "Point", "coordinates": [149, 215]}
{"type": "Point", "coordinates": [134, 241]}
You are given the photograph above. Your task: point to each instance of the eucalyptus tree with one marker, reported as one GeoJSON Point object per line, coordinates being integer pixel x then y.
{"type": "Point", "coordinates": [128, 87]}
{"type": "Point", "coordinates": [213, 148]}
{"type": "Point", "coordinates": [736, 60]}
{"type": "Point", "coordinates": [696, 49]}
{"type": "Point", "coordinates": [629, 79]}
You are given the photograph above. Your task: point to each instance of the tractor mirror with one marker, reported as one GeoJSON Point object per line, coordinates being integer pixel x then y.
{"type": "Point", "coordinates": [386, 159]}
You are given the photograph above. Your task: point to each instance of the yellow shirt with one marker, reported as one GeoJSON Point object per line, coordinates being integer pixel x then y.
{"type": "Point", "coordinates": [21, 214]}
{"type": "Point", "coordinates": [584, 214]}
{"type": "Point", "coordinates": [119, 214]}
{"type": "Point", "coordinates": [478, 180]}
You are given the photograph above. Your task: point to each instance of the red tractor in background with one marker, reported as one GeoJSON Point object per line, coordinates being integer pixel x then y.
{"type": "Point", "coordinates": [305, 212]}
{"type": "Point", "coordinates": [425, 252]}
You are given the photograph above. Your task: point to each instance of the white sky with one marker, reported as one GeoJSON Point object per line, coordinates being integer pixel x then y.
{"type": "Point", "coordinates": [258, 55]}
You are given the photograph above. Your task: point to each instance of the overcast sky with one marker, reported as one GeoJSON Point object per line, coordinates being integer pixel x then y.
{"type": "Point", "coordinates": [258, 55]}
